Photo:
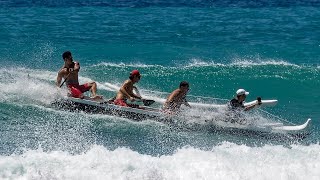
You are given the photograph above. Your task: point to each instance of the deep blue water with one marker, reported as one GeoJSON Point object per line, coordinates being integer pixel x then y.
{"type": "Point", "coordinates": [162, 3]}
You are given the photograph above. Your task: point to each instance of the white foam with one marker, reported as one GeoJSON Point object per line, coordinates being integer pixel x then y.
{"type": "Point", "coordinates": [226, 161]}
{"type": "Point", "coordinates": [195, 62]}
{"type": "Point", "coordinates": [242, 62]}
{"type": "Point", "coordinates": [122, 65]}
{"type": "Point", "coordinates": [32, 85]}
{"type": "Point", "coordinates": [260, 62]}
{"type": "Point", "coordinates": [201, 63]}
{"type": "Point", "coordinates": [28, 85]}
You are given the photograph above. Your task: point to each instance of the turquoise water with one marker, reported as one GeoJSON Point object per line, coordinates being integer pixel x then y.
{"type": "Point", "coordinates": [271, 50]}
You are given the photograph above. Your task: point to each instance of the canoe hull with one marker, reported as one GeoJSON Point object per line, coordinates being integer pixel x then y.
{"type": "Point", "coordinates": [143, 113]}
{"type": "Point", "coordinates": [88, 106]}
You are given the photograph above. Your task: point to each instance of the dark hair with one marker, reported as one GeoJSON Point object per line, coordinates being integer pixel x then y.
{"type": "Point", "coordinates": [66, 54]}
{"type": "Point", "coordinates": [184, 83]}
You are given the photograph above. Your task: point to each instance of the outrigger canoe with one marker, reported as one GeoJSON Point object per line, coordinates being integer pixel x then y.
{"type": "Point", "coordinates": [144, 112]}
{"type": "Point", "coordinates": [105, 107]}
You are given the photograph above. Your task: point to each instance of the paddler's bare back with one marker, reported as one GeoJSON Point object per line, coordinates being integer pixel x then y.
{"type": "Point", "coordinates": [128, 86]}
{"type": "Point", "coordinates": [178, 98]}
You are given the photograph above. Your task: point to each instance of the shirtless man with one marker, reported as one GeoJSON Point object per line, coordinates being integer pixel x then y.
{"type": "Point", "coordinates": [177, 98]}
{"type": "Point", "coordinates": [69, 72]}
{"type": "Point", "coordinates": [126, 91]}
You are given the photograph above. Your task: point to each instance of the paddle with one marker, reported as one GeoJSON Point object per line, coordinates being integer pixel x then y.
{"type": "Point", "coordinates": [68, 70]}
{"type": "Point", "coordinates": [147, 102]}
{"type": "Point", "coordinates": [259, 100]}
{"type": "Point", "coordinates": [65, 79]}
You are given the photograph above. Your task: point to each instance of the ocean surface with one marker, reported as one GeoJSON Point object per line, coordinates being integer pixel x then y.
{"type": "Point", "coordinates": [270, 48]}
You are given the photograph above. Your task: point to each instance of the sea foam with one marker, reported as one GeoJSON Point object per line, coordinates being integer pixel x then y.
{"type": "Point", "coordinates": [226, 161]}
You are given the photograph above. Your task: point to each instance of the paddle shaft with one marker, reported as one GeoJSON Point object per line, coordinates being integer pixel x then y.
{"type": "Point", "coordinates": [65, 79]}
{"type": "Point", "coordinates": [146, 102]}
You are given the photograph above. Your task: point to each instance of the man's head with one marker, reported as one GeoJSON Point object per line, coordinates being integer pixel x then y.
{"type": "Point", "coordinates": [67, 57]}
{"type": "Point", "coordinates": [184, 86]}
{"type": "Point", "coordinates": [241, 94]}
{"type": "Point", "coordinates": [135, 76]}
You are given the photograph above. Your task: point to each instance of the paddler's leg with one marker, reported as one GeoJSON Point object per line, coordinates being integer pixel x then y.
{"type": "Point", "coordinates": [92, 86]}
{"type": "Point", "coordinates": [75, 91]}
{"type": "Point", "coordinates": [93, 90]}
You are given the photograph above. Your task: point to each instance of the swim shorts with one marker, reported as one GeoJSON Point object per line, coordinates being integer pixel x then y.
{"type": "Point", "coordinates": [76, 90]}
{"type": "Point", "coordinates": [121, 102]}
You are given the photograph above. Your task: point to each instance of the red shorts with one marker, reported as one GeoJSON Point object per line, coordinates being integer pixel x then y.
{"type": "Point", "coordinates": [76, 90]}
{"type": "Point", "coordinates": [121, 102]}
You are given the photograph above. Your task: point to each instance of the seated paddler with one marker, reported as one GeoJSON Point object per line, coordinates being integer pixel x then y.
{"type": "Point", "coordinates": [70, 72]}
{"type": "Point", "coordinates": [126, 91]}
{"type": "Point", "coordinates": [176, 99]}
{"type": "Point", "coordinates": [237, 103]}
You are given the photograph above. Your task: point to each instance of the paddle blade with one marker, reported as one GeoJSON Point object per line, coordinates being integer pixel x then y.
{"type": "Point", "coordinates": [259, 100]}
{"type": "Point", "coordinates": [147, 102]}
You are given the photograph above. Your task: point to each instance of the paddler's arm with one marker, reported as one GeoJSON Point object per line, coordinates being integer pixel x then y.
{"type": "Point", "coordinates": [247, 108]}
{"type": "Point", "coordinates": [185, 102]}
{"type": "Point", "coordinates": [59, 78]}
{"type": "Point", "coordinates": [136, 95]}
{"type": "Point", "coordinates": [76, 66]}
